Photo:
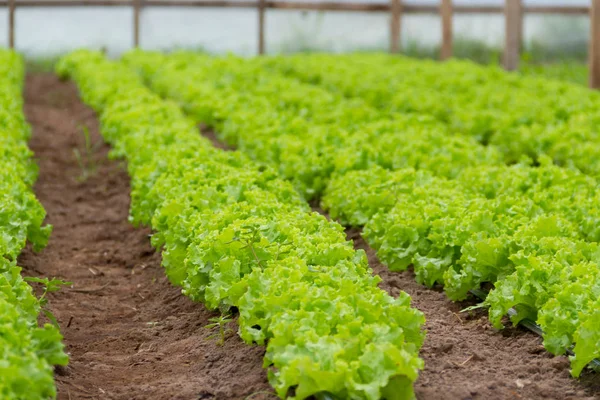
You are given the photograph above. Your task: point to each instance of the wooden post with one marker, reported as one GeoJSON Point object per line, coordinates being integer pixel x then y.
{"type": "Point", "coordinates": [396, 16]}
{"type": "Point", "coordinates": [513, 13]}
{"type": "Point", "coordinates": [136, 22]}
{"type": "Point", "coordinates": [261, 27]}
{"type": "Point", "coordinates": [11, 24]}
{"type": "Point", "coordinates": [594, 46]}
{"type": "Point", "coordinates": [395, 25]}
{"type": "Point", "coordinates": [446, 14]}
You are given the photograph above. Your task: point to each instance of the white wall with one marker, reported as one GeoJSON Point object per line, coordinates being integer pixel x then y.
{"type": "Point", "coordinates": [55, 30]}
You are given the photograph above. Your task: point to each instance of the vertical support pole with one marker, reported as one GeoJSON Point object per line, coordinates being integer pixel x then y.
{"type": "Point", "coordinates": [395, 19]}
{"type": "Point", "coordinates": [261, 26]}
{"type": "Point", "coordinates": [11, 24]}
{"type": "Point", "coordinates": [513, 13]}
{"type": "Point", "coordinates": [446, 14]}
{"type": "Point", "coordinates": [136, 22]}
{"type": "Point", "coordinates": [594, 46]}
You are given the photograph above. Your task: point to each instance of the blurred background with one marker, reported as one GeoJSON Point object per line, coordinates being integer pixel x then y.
{"type": "Point", "coordinates": [42, 33]}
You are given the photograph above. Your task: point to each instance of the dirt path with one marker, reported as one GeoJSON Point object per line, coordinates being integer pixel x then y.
{"type": "Point", "coordinates": [130, 334]}
{"type": "Point", "coordinates": [466, 358]}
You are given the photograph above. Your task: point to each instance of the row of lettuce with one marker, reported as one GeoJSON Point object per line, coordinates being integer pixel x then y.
{"type": "Point", "coordinates": [272, 118]}
{"type": "Point", "coordinates": [531, 232]}
{"type": "Point", "coordinates": [444, 203]}
{"type": "Point", "coordinates": [28, 352]}
{"type": "Point", "coordinates": [520, 117]}
{"type": "Point", "coordinates": [234, 234]}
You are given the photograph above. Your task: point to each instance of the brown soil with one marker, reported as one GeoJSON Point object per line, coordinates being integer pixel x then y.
{"type": "Point", "coordinates": [130, 334]}
{"type": "Point", "coordinates": [133, 336]}
{"type": "Point", "coordinates": [466, 358]}
{"type": "Point", "coordinates": [211, 135]}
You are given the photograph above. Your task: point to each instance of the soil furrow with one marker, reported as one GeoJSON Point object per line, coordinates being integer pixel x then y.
{"type": "Point", "coordinates": [130, 334]}
{"type": "Point", "coordinates": [466, 358]}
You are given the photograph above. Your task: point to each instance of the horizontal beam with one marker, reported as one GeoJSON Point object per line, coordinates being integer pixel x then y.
{"type": "Point", "coordinates": [200, 3]}
{"type": "Point", "coordinates": [295, 5]}
{"type": "Point", "coordinates": [580, 10]}
{"type": "Point", "coordinates": [70, 3]}
{"type": "Point", "coordinates": [328, 6]}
